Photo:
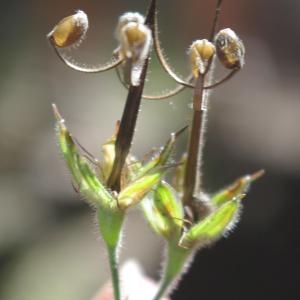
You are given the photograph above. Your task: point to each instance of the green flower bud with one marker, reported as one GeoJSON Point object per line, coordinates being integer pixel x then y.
{"type": "Point", "coordinates": [135, 40]}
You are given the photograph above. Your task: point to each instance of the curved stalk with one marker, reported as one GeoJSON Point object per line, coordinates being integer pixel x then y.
{"type": "Point", "coordinates": [161, 96]}
{"type": "Point", "coordinates": [221, 81]}
{"type": "Point", "coordinates": [162, 59]}
{"type": "Point", "coordinates": [92, 69]}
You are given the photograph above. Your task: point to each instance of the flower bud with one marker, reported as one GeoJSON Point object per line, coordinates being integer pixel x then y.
{"type": "Point", "coordinates": [127, 18]}
{"type": "Point", "coordinates": [200, 52]}
{"type": "Point", "coordinates": [230, 49]}
{"type": "Point", "coordinates": [69, 30]}
{"type": "Point", "coordinates": [135, 41]}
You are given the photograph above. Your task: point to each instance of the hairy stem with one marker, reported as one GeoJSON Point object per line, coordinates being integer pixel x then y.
{"type": "Point", "coordinates": [176, 264]}
{"type": "Point", "coordinates": [113, 263]}
{"type": "Point", "coordinates": [110, 226]}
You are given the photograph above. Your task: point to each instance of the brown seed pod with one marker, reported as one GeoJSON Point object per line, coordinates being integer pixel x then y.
{"type": "Point", "coordinates": [230, 49]}
{"type": "Point", "coordinates": [70, 30]}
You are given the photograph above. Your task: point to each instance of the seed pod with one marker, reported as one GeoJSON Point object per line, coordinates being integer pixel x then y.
{"type": "Point", "coordinates": [69, 30]}
{"type": "Point", "coordinates": [200, 52]}
{"type": "Point", "coordinates": [230, 49]}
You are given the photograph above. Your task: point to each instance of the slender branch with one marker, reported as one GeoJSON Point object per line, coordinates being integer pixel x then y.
{"type": "Point", "coordinates": [221, 81]}
{"type": "Point", "coordinates": [161, 96]}
{"type": "Point", "coordinates": [166, 95]}
{"type": "Point", "coordinates": [162, 59]}
{"type": "Point", "coordinates": [216, 20]}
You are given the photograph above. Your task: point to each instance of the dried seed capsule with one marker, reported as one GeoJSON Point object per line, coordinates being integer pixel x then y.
{"type": "Point", "coordinates": [230, 49]}
{"type": "Point", "coordinates": [69, 30]}
{"type": "Point", "coordinates": [200, 52]}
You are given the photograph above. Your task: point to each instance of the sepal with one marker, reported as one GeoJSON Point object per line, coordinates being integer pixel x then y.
{"type": "Point", "coordinates": [213, 226]}
{"type": "Point", "coordinates": [240, 186]}
{"type": "Point", "coordinates": [164, 212]}
{"type": "Point", "coordinates": [84, 177]}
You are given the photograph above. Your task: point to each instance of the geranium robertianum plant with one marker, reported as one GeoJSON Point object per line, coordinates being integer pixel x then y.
{"type": "Point", "coordinates": [180, 211]}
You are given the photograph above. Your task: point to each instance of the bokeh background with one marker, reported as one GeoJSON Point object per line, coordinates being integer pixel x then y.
{"type": "Point", "coordinates": [49, 247]}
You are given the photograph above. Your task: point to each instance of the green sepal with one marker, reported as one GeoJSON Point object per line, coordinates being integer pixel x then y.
{"type": "Point", "coordinates": [213, 226]}
{"type": "Point", "coordinates": [84, 177]}
{"type": "Point", "coordinates": [162, 158]}
{"type": "Point", "coordinates": [137, 190]}
{"type": "Point", "coordinates": [240, 186]}
{"type": "Point", "coordinates": [164, 211]}
{"type": "Point", "coordinates": [145, 178]}
{"type": "Point", "coordinates": [110, 225]}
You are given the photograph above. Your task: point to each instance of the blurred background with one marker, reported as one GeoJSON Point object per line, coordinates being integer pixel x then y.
{"type": "Point", "coordinates": [49, 246]}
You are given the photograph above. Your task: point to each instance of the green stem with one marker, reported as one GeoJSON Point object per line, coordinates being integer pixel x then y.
{"type": "Point", "coordinates": [110, 226]}
{"type": "Point", "coordinates": [176, 264]}
{"type": "Point", "coordinates": [113, 263]}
